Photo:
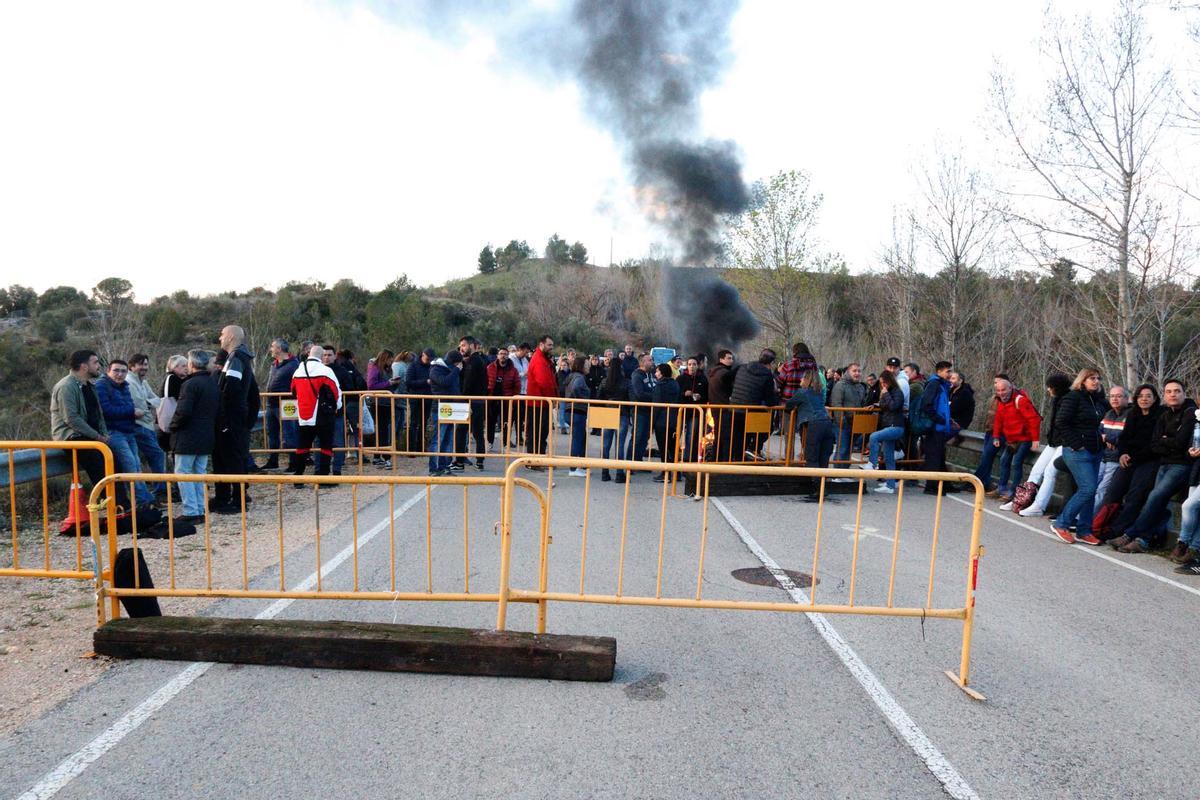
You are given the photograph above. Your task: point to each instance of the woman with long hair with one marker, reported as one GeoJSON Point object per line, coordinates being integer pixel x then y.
{"type": "Point", "coordinates": [1078, 422]}
{"type": "Point", "coordinates": [808, 404]}
{"type": "Point", "coordinates": [1137, 465]}
{"type": "Point", "coordinates": [890, 431]}
{"type": "Point", "coordinates": [576, 388]}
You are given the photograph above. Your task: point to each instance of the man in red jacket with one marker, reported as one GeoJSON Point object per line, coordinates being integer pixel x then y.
{"type": "Point", "coordinates": [312, 380]}
{"type": "Point", "coordinates": [540, 383]}
{"type": "Point", "coordinates": [1019, 426]}
{"type": "Point", "coordinates": [503, 381]}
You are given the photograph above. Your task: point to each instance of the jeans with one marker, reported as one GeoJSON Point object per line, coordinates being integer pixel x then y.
{"type": "Point", "coordinates": [289, 431]}
{"type": "Point", "coordinates": [1084, 466]}
{"type": "Point", "coordinates": [846, 438]}
{"type": "Point", "coordinates": [191, 493]}
{"type": "Point", "coordinates": [1107, 470]}
{"type": "Point", "coordinates": [1012, 463]}
{"type": "Point", "coordinates": [620, 437]}
{"type": "Point", "coordinates": [1189, 526]}
{"type": "Point", "coordinates": [125, 454]}
{"type": "Point", "coordinates": [641, 434]}
{"type": "Point", "coordinates": [986, 459]}
{"type": "Point", "coordinates": [885, 439]}
{"type": "Point", "coordinates": [579, 431]}
{"type": "Point", "coordinates": [147, 442]}
{"type": "Point", "coordinates": [418, 415]}
{"type": "Point", "coordinates": [1169, 480]}
{"type": "Point", "coordinates": [1045, 475]}
{"type": "Point", "coordinates": [339, 456]}
{"type": "Point", "coordinates": [818, 446]}
{"type": "Point", "coordinates": [441, 442]}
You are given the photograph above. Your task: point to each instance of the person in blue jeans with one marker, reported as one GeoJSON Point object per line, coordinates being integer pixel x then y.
{"type": "Point", "coordinates": [443, 380]}
{"type": "Point", "coordinates": [616, 388]}
{"type": "Point", "coordinates": [1187, 549]}
{"type": "Point", "coordinates": [121, 418]}
{"type": "Point", "coordinates": [891, 429]}
{"type": "Point", "coordinates": [1078, 426]}
{"type": "Point", "coordinates": [808, 405]}
{"type": "Point", "coordinates": [1172, 442]}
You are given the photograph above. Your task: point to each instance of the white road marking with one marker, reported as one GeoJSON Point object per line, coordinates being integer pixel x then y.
{"type": "Point", "coordinates": [954, 783]}
{"type": "Point", "coordinates": [70, 768]}
{"type": "Point", "coordinates": [1086, 549]}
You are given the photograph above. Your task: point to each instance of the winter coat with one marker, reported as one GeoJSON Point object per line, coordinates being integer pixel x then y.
{"type": "Point", "coordinates": [935, 401]}
{"type": "Point", "coordinates": [1016, 419]}
{"type": "Point", "coordinates": [239, 391]}
{"type": "Point", "coordinates": [962, 405]}
{"type": "Point", "coordinates": [720, 385]}
{"type": "Point", "coordinates": [503, 381]}
{"type": "Point", "coordinates": [641, 387]}
{"type": "Point", "coordinates": [279, 379]}
{"type": "Point", "coordinates": [418, 377]}
{"type": "Point", "coordinates": [576, 388]}
{"type": "Point", "coordinates": [753, 385]}
{"type": "Point", "coordinates": [848, 393]}
{"type": "Point", "coordinates": [117, 404]}
{"type": "Point", "coordinates": [444, 379]}
{"type": "Point", "coordinates": [1110, 431]}
{"type": "Point", "coordinates": [307, 382]}
{"type": "Point", "coordinates": [808, 405]}
{"type": "Point", "coordinates": [377, 379]}
{"type": "Point", "coordinates": [400, 371]}
{"type": "Point", "coordinates": [1078, 420]}
{"type": "Point", "coordinates": [193, 426]}
{"type": "Point", "coordinates": [540, 380]}
{"type": "Point", "coordinates": [474, 375]}
{"type": "Point", "coordinates": [696, 384]}
{"type": "Point", "coordinates": [1173, 434]}
{"type": "Point", "coordinates": [666, 391]}
{"type": "Point", "coordinates": [1054, 433]}
{"type": "Point", "coordinates": [595, 378]}
{"type": "Point", "coordinates": [69, 417]}
{"type": "Point", "coordinates": [1137, 435]}
{"type": "Point", "coordinates": [891, 409]}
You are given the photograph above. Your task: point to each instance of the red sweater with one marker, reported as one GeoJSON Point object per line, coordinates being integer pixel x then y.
{"type": "Point", "coordinates": [541, 381]}
{"type": "Point", "coordinates": [1017, 420]}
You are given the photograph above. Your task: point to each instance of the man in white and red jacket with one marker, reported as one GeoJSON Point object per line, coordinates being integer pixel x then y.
{"type": "Point", "coordinates": [309, 381]}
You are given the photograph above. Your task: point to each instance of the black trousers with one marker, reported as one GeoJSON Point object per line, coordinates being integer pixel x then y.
{"type": "Point", "coordinates": [476, 425]}
{"type": "Point", "coordinates": [230, 454]}
{"type": "Point", "coordinates": [323, 431]}
{"type": "Point", "coordinates": [1130, 488]}
{"type": "Point", "coordinates": [933, 445]}
{"type": "Point", "coordinates": [499, 413]}
{"type": "Point", "coordinates": [537, 427]}
{"type": "Point", "coordinates": [418, 418]}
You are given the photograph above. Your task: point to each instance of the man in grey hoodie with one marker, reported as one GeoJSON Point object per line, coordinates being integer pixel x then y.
{"type": "Point", "coordinates": [849, 392]}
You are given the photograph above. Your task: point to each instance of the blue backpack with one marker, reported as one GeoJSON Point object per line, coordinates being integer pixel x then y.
{"type": "Point", "coordinates": [919, 422]}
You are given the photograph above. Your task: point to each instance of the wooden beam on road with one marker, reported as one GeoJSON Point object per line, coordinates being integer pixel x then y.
{"type": "Point", "coordinates": [361, 645]}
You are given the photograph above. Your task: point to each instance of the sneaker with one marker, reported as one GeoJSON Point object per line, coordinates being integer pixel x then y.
{"type": "Point", "coordinates": [605, 475]}
{"type": "Point", "coordinates": [899, 454]}
{"type": "Point", "coordinates": [1008, 507]}
{"type": "Point", "coordinates": [752, 456]}
{"type": "Point", "coordinates": [857, 457]}
{"type": "Point", "coordinates": [492, 448]}
{"type": "Point", "coordinates": [1180, 553]}
{"type": "Point", "coordinates": [660, 477]}
{"type": "Point", "coordinates": [578, 473]}
{"type": "Point", "coordinates": [992, 492]}
{"type": "Point", "coordinates": [456, 467]}
{"type": "Point", "coordinates": [1119, 542]}
{"type": "Point", "coordinates": [438, 473]}
{"type": "Point", "coordinates": [1135, 546]}
{"type": "Point", "coordinates": [867, 465]}
{"type": "Point", "coordinates": [1063, 533]}
{"type": "Point", "coordinates": [1088, 539]}
{"type": "Point", "coordinates": [1032, 511]}
{"type": "Point", "coordinates": [883, 488]}
{"type": "Point", "coordinates": [479, 466]}
{"type": "Point", "coordinates": [843, 480]}
{"type": "Point", "coordinates": [1190, 568]}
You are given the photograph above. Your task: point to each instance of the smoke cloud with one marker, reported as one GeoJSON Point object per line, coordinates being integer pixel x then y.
{"type": "Point", "coordinates": [706, 312]}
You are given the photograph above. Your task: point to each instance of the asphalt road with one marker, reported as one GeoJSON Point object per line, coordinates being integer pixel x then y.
{"type": "Point", "coordinates": [1086, 665]}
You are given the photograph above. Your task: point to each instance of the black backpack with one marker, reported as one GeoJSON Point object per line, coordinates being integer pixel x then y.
{"type": "Point", "coordinates": [326, 401]}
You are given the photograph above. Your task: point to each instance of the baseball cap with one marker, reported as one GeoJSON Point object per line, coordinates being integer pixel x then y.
{"type": "Point", "coordinates": [893, 362]}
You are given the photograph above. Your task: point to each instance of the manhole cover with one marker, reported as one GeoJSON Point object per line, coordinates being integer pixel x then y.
{"type": "Point", "coordinates": [761, 576]}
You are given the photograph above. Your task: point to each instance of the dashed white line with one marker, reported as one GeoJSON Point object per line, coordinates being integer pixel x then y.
{"type": "Point", "coordinates": [71, 767]}
{"type": "Point", "coordinates": [953, 783]}
{"type": "Point", "coordinates": [1086, 549]}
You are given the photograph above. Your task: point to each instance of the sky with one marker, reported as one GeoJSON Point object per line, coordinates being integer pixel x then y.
{"type": "Point", "coordinates": [221, 146]}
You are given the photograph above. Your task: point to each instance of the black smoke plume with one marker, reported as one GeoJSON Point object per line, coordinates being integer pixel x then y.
{"type": "Point", "coordinates": [705, 312]}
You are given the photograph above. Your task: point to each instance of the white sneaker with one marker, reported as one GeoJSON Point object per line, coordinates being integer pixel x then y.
{"type": "Point", "coordinates": [883, 488]}
{"type": "Point", "coordinates": [578, 473]}
{"type": "Point", "coordinates": [867, 465]}
{"type": "Point", "coordinates": [843, 480]}
{"type": "Point", "coordinates": [1007, 506]}
{"type": "Point", "coordinates": [857, 457]}
{"type": "Point", "coordinates": [1032, 511]}
{"type": "Point", "coordinates": [899, 455]}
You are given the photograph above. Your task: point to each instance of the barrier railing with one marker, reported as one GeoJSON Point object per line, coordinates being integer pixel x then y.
{"type": "Point", "coordinates": [280, 430]}
{"type": "Point", "coordinates": [66, 544]}
{"type": "Point", "coordinates": [214, 577]}
{"type": "Point", "coordinates": [883, 600]}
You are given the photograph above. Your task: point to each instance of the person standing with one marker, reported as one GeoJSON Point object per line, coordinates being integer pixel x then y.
{"type": "Point", "coordinates": [474, 384]}
{"type": "Point", "coordinates": [419, 406]}
{"type": "Point", "coordinates": [936, 406]}
{"type": "Point", "coordinates": [1078, 422]}
{"type": "Point", "coordinates": [444, 381]}
{"type": "Point", "coordinates": [503, 382]}
{"type": "Point", "coordinates": [720, 385]}
{"type": "Point", "coordinates": [520, 359]}
{"type": "Point", "coordinates": [693, 388]}
{"type": "Point", "coordinates": [281, 433]}
{"type": "Point", "coordinates": [962, 403]}
{"type": "Point", "coordinates": [194, 431]}
{"type": "Point", "coordinates": [540, 382]}
{"type": "Point", "coordinates": [318, 401]}
{"type": "Point", "coordinates": [345, 383]}
{"type": "Point", "coordinates": [808, 405]}
{"type": "Point", "coordinates": [616, 388]}
{"type": "Point", "coordinates": [641, 390]}
{"type": "Point", "coordinates": [235, 418]}
{"type": "Point", "coordinates": [666, 392]}
{"type": "Point", "coordinates": [379, 379]}
{"type": "Point", "coordinates": [753, 385]}
{"type": "Point", "coordinates": [577, 389]}
{"type": "Point", "coordinates": [849, 392]}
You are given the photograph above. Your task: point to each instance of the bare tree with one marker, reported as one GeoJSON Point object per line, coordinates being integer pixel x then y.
{"type": "Point", "coordinates": [1091, 155]}
{"type": "Point", "coordinates": [901, 280]}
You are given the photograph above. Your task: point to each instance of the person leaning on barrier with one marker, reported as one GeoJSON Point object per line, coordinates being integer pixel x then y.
{"type": "Point", "coordinates": [75, 414]}
{"type": "Point", "coordinates": [753, 385]}
{"type": "Point", "coordinates": [193, 432]}
{"type": "Point", "coordinates": [807, 403]}
{"type": "Point", "coordinates": [318, 401]}
{"type": "Point", "coordinates": [281, 434]}
{"type": "Point", "coordinates": [235, 418]}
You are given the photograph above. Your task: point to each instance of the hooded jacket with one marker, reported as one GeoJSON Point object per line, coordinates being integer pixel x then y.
{"type": "Point", "coordinates": [418, 373]}
{"type": "Point", "coordinates": [935, 401]}
{"type": "Point", "coordinates": [443, 379]}
{"type": "Point", "coordinates": [117, 404]}
{"type": "Point", "coordinates": [1016, 419]}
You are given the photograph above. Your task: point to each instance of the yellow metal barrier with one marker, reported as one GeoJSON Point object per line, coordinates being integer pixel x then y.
{"type": "Point", "coordinates": [76, 519]}
{"type": "Point", "coordinates": [619, 596]}
{"type": "Point", "coordinates": [213, 587]}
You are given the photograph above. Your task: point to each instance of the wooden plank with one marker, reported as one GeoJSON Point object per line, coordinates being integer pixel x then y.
{"type": "Point", "coordinates": [361, 645]}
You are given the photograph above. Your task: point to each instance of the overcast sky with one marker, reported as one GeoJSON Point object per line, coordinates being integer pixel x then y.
{"type": "Point", "coordinates": [225, 145]}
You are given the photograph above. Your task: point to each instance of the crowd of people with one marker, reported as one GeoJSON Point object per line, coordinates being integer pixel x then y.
{"type": "Point", "coordinates": [1126, 455]}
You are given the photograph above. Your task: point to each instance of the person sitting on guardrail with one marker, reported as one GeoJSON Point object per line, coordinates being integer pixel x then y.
{"type": "Point", "coordinates": [1018, 426]}
{"type": "Point", "coordinates": [146, 429]}
{"type": "Point", "coordinates": [318, 400]}
{"type": "Point", "coordinates": [121, 417]}
{"type": "Point", "coordinates": [193, 432]}
{"type": "Point", "coordinates": [808, 406]}
{"type": "Point", "coordinates": [1136, 467]}
{"type": "Point", "coordinates": [75, 413]}
{"type": "Point", "coordinates": [962, 403]}
{"type": "Point", "coordinates": [1044, 474]}
{"type": "Point", "coordinates": [443, 382]}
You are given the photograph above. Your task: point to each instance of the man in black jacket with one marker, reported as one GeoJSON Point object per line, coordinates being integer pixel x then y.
{"type": "Point", "coordinates": [474, 383]}
{"type": "Point", "coordinates": [193, 432]}
{"type": "Point", "coordinates": [235, 417]}
{"type": "Point", "coordinates": [343, 425]}
{"type": "Point", "coordinates": [279, 381]}
{"type": "Point", "coordinates": [753, 385]}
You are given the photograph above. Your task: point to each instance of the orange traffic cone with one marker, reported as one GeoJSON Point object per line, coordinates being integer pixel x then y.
{"type": "Point", "coordinates": [77, 511]}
